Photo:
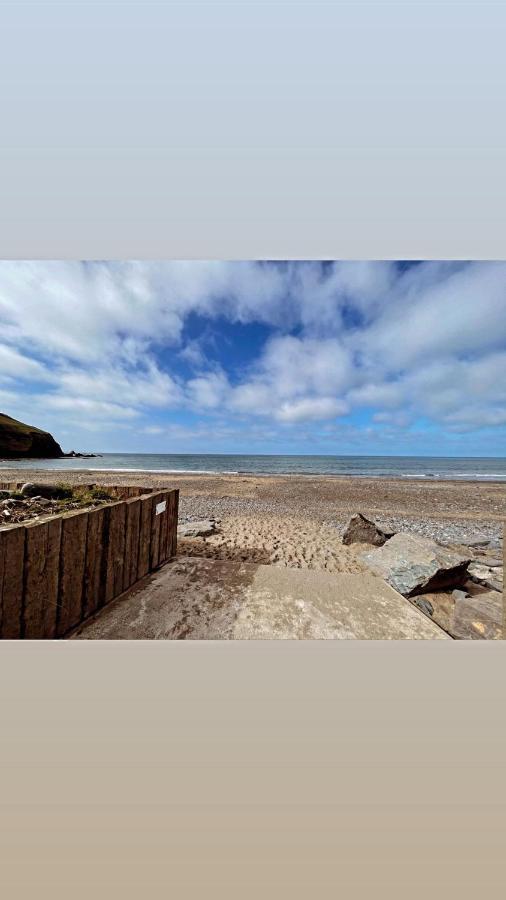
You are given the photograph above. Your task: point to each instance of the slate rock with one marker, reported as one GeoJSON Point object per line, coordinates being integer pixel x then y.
{"type": "Point", "coordinates": [197, 529]}
{"type": "Point", "coordinates": [425, 605]}
{"type": "Point", "coordinates": [483, 574]}
{"type": "Point", "coordinates": [491, 561]}
{"type": "Point", "coordinates": [362, 531]}
{"type": "Point", "coordinates": [478, 542]}
{"type": "Point", "coordinates": [412, 564]}
{"type": "Point", "coordinates": [478, 618]}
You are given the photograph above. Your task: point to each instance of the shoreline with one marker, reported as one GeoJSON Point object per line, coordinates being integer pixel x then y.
{"type": "Point", "coordinates": [328, 498]}
{"type": "Point", "coordinates": [467, 478]}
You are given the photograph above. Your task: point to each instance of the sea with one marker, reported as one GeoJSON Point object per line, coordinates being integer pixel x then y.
{"type": "Point", "coordinates": [472, 468]}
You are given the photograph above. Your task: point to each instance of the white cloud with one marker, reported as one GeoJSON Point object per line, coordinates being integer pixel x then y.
{"type": "Point", "coordinates": [16, 365]}
{"type": "Point", "coordinates": [311, 408]}
{"type": "Point", "coordinates": [145, 386]}
{"type": "Point", "coordinates": [208, 391]}
{"type": "Point", "coordinates": [427, 342]}
{"type": "Point", "coordinates": [297, 379]}
{"type": "Point", "coordinates": [87, 407]}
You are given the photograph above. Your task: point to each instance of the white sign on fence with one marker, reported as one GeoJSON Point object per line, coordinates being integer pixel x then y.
{"type": "Point", "coordinates": [161, 507]}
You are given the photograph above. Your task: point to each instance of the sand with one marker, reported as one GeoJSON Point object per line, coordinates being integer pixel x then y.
{"type": "Point", "coordinates": [297, 521]}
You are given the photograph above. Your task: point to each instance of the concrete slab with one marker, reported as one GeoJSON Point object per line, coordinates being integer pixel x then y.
{"type": "Point", "coordinates": [204, 599]}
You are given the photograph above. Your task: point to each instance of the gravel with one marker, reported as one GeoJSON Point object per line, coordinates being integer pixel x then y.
{"type": "Point", "coordinates": [445, 532]}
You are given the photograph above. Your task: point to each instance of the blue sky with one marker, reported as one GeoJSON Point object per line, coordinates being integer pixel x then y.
{"type": "Point", "coordinates": [257, 357]}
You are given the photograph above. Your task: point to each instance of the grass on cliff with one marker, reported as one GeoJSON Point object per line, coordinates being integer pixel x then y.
{"type": "Point", "coordinates": [15, 425]}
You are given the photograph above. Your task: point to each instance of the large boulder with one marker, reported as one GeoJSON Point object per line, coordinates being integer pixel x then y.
{"type": "Point", "coordinates": [362, 531]}
{"type": "Point", "coordinates": [416, 565]}
{"type": "Point", "coordinates": [19, 441]}
{"type": "Point", "coordinates": [478, 618]}
{"type": "Point", "coordinates": [197, 529]}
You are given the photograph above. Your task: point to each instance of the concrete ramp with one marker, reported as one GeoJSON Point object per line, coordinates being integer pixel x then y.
{"type": "Point", "coordinates": [195, 598]}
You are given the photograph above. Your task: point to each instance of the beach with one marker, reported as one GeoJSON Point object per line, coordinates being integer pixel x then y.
{"type": "Point", "coordinates": [298, 520]}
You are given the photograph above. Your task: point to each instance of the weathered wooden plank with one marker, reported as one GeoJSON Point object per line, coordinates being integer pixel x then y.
{"type": "Point", "coordinates": [41, 577]}
{"type": "Point", "coordinates": [132, 529]}
{"type": "Point", "coordinates": [156, 520]}
{"type": "Point", "coordinates": [12, 550]}
{"type": "Point", "coordinates": [145, 536]}
{"type": "Point", "coordinates": [173, 523]}
{"type": "Point", "coordinates": [170, 515]}
{"type": "Point", "coordinates": [95, 540]}
{"type": "Point", "coordinates": [72, 557]}
{"type": "Point", "coordinates": [164, 527]}
{"type": "Point", "coordinates": [115, 551]}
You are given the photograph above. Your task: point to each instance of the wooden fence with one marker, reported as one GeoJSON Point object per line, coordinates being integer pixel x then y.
{"type": "Point", "coordinates": [55, 573]}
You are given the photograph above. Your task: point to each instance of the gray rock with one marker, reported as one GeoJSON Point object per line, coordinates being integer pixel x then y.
{"type": "Point", "coordinates": [492, 562]}
{"type": "Point", "coordinates": [424, 604]}
{"type": "Point", "coordinates": [496, 544]}
{"type": "Point", "coordinates": [460, 595]}
{"type": "Point", "coordinates": [48, 491]}
{"type": "Point", "coordinates": [197, 529]}
{"type": "Point", "coordinates": [483, 574]}
{"type": "Point", "coordinates": [362, 531]}
{"type": "Point", "coordinates": [478, 618]}
{"type": "Point", "coordinates": [415, 565]}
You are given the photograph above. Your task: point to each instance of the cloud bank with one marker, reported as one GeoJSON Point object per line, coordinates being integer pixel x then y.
{"type": "Point", "coordinates": [345, 345]}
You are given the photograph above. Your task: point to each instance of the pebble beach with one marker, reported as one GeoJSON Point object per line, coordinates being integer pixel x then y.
{"type": "Point", "coordinates": [298, 520]}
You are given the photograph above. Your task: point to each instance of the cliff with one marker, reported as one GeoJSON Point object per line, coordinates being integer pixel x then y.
{"type": "Point", "coordinates": [18, 440]}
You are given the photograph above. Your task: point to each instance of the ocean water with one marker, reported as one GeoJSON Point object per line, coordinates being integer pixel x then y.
{"type": "Point", "coordinates": [473, 468]}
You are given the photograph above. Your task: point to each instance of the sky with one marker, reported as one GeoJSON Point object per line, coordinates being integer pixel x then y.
{"type": "Point", "coordinates": [371, 358]}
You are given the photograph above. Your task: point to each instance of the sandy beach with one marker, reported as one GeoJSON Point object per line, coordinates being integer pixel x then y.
{"type": "Point", "coordinates": [298, 521]}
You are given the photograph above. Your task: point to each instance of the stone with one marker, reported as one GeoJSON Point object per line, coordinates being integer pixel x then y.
{"type": "Point", "coordinates": [478, 542]}
{"type": "Point", "coordinates": [496, 544]}
{"type": "Point", "coordinates": [442, 603]}
{"type": "Point", "coordinates": [47, 491]}
{"type": "Point", "coordinates": [202, 528]}
{"type": "Point", "coordinates": [416, 565]}
{"type": "Point", "coordinates": [486, 576]}
{"type": "Point", "coordinates": [478, 618]}
{"type": "Point", "coordinates": [362, 531]}
{"type": "Point", "coordinates": [492, 562]}
{"type": "Point", "coordinates": [425, 605]}
{"type": "Point", "coordinates": [460, 595]}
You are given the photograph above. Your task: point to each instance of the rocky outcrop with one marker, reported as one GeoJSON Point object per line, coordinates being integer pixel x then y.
{"type": "Point", "coordinates": [74, 455]}
{"type": "Point", "coordinates": [362, 531]}
{"type": "Point", "coordinates": [20, 441]}
{"type": "Point", "coordinates": [415, 565]}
